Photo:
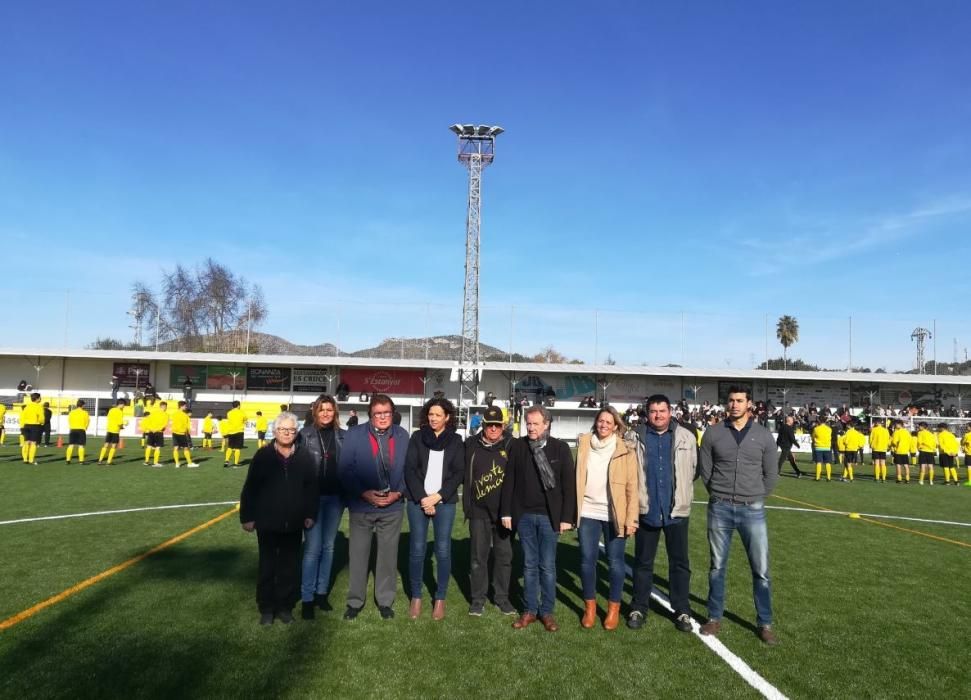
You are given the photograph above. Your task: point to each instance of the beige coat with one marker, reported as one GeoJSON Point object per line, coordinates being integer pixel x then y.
{"type": "Point", "coordinates": [622, 477]}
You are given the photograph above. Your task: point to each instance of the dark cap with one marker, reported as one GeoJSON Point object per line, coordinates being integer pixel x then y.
{"type": "Point", "coordinates": [493, 415]}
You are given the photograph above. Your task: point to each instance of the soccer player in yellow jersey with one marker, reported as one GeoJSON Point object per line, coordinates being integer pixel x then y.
{"type": "Point", "coordinates": [223, 427]}
{"type": "Point", "coordinates": [966, 446]}
{"type": "Point", "coordinates": [235, 425]}
{"type": "Point", "coordinates": [32, 420]}
{"type": "Point", "coordinates": [261, 426]}
{"type": "Point", "coordinates": [822, 446]}
{"type": "Point", "coordinates": [949, 453]}
{"type": "Point", "coordinates": [900, 446]}
{"type": "Point", "coordinates": [207, 425]}
{"type": "Point", "coordinates": [115, 424]}
{"type": "Point", "coordinates": [840, 441]}
{"type": "Point", "coordinates": [156, 438]}
{"type": "Point", "coordinates": [913, 447]}
{"type": "Point", "coordinates": [3, 431]}
{"type": "Point", "coordinates": [78, 421]}
{"type": "Point", "coordinates": [180, 436]}
{"type": "Point", "coordinates": [879, 444]}
{"type": "Point", "coordinates": [926, 452]}
{"type": "Point", "coordinates": [853, 441]}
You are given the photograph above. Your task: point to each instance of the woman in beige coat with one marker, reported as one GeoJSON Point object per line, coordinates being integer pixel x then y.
{"type": "Point", "coordinates": [607, 506]}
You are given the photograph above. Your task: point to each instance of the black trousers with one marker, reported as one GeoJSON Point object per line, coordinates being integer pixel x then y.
{"type": "Point", "coordinates": [278, 584]}
{"type": "Point", "coordinates": [485, 538]}
{"type": "Point", "coordinates": [787, 456]}
{"type": "Point", "coordinates": [679, 572]}
{"type": "Point", "coordinates": [45, 434]}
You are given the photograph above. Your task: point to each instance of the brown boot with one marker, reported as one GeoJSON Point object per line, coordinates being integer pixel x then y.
{"type": "Point", "coordinates": [589, 614]}
{"type": "Point", "coordinates": [438, 611]}
{"type": "Point", "coordinates": [613, 616]}
{"type": "Point", "coordinates": [525, 621]}
{"type": "Point", "coordinates": [415, 610]}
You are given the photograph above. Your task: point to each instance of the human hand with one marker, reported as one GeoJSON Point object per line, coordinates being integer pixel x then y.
{"type": "Point", "coordinates": [308, 523]}
{"type": "Point", "coordinates": [565, 526]}
{"type": "Point", "coordinates": [630, 530]}
{"type": "Point", "coordinates": [250, 526]}
{"type": "Point", "coordinates": [506, 523]}
{"type": "Point", "coordinates": [431, 500]}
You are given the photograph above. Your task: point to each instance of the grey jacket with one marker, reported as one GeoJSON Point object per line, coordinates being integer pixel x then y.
{"type": "Point", "coordinates": [684, 458]}
{"type": "Point", "coordinates": [746, 471]}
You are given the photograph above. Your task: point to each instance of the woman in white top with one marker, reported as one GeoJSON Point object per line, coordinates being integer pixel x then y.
{"type": "Point", "coordinates": [607, 507]}
{"type": "Point", "coordinates": [433, 472]}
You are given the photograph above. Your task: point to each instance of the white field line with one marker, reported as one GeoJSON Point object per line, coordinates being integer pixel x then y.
{"type": "Point", "coordinates": [748, 674]}
{"type": "Point", "coordinates": [116, 512]}
{"type": "Point", "coordinates": [822, 511]}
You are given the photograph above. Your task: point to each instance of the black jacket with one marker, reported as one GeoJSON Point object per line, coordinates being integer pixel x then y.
{"type": "Point", "coordinates": [484, 456]}
{"type": "Point", "coordinates": [787, 437]}
{"type": "Point", "coordinates": [416, 466]}
{"type": "Point", "coordinates": [279, 496]}
{"type": "Point", "coordinates": [309, 437]}
{"type": "Point", "coordinates": [561, 501]}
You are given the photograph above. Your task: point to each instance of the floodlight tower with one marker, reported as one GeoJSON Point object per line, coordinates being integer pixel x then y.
{"type": "Point", "coordinates": [476, 150]}
{"type": "Point", "coordinates": [921, 335]}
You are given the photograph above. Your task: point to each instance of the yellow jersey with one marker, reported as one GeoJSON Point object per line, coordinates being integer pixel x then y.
{"type": "Point", "coordinates": [115, 419]}
{"type": "Point", "coordinates": [926, 441]}
{"type": "Point", "coordinates": [180, 423]}
{"type": "Point", "coordinates": [224, 427]}
{"type": "Point", "coordinates": [207, 424]}
{"type": "Point", "coordinates": [879, 438]}
{"type": "Point", "coordinates": [966, 443]}
{"type": "Point", "coordinates": [262, 424]}
{"type": "Point", "coordinates": [160, 421]}
{"type": "Point", "coordinates": [32, 414]}
{"type": "Point", "coordinates": [854, 440]}
{"type": "Point", "coordinates": [841, 443]}
{"type": "Point", "coordinates": [235, 421]}
{"type": "Point", "coordinates": [3, 412]}
{"type": "Point", "coordinates": [948, 443]}
{"type": "Point", "coordinates": [78, 419]}
{"type": "Point", "coordinates": [900, 442]}
{"type": "Point", "coordinates": [823, 437]}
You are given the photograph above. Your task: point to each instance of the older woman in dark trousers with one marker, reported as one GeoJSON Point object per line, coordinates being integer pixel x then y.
{"type": "Point", "coordinates": [433, 472]}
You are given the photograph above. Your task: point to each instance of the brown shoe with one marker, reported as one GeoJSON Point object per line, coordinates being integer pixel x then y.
{"type": "Point", "coordinates": [589, 614]}
{"type": "Point", "coordinates": [438, 611]}
{"type": "Point", "coordinates": [415, 609]}
{"type": "Point", "coordinates": [525, 621]}
{"type": "Point", "coordinates": [613, 616]}
{"type": "Point", "coordinates": [767, 636]}
{"type": "Point", "coordinates": [711, 628]}
{"type": "Point", "coordinates": [549, 623]}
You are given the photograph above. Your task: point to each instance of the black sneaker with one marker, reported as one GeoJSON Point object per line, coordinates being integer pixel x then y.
{"type": "Point", "coordinates": [226, 465]}
{"type": "Point", "coordinates": [285, 616]}
{"type": "Point", "coordinates": [507, 608]}
{"type": "Point", "coordinates": [386, 612]}
{"type": "Point", "coordinates": [266, 618]}
{"type": "Point", "coordinates": [321, 602]}
{"type": "Point", "coordinates": [351, 613]}
{"type": "Point", "coordinates": [307, 611]}
{"type": "Point", "coordinates": [476, 609]}
{"type": "Point", "coordinates": [682, 622]}
{"type": "Point", "coordinates": [636, 619]}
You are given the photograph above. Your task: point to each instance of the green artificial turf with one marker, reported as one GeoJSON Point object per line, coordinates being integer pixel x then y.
{"type": "Point", "coordinates": [862, 610]}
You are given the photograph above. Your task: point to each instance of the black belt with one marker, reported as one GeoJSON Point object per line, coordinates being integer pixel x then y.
{"type": "Point", "coordinates": [732, 500]}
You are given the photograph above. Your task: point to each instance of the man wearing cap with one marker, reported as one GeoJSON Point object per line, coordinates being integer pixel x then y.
{"type": "Point", "coordinates": [485, 469]}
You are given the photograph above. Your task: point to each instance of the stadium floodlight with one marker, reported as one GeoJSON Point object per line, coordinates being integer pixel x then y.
{"type": "Point", "coordinates": [468, 129]}
{"type": "Point", "coordinates": [456, 129]}
{"type": "Point", "coordinates": [483, 130]}
{"type": "Point", "coordinates": [495, 131]}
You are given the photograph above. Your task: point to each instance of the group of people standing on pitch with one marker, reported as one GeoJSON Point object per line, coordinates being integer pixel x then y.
{"type": "Point", "coordinates": [623, 484]}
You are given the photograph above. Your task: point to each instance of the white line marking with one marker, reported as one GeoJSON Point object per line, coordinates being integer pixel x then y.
{"type": "Point", "coordinates": [115, 512]}
{"type": "Point", "coordinates": [827, 511]}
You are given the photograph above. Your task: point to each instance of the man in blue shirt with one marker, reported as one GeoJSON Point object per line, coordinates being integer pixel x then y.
{"type": "Point", "coordinates": [666, 489]}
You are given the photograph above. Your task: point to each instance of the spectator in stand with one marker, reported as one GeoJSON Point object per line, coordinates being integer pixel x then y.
{"type": "Point", "coordinates": [352, 419]}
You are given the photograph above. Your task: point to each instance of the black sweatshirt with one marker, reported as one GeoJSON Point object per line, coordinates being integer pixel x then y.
{"type": "Point", "coordinates": [279, 493]}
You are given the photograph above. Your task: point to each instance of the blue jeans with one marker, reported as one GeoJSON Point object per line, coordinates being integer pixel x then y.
{"type": "Point", "coordinates": [589, 533]}
{"type": "Point", "coordinates": [723, 519]}
{"type": "Point", "coordinates": [538, 540]}
{"type": "Point", "coordinates": [318, 548]}
{"type": "Point", "coordinates": [442, 522]}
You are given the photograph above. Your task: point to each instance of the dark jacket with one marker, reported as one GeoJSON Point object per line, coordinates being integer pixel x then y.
{"type": "Point", "coordinates": [561, 503]}
{"type": "Point", "coordinates": [787, 437]}
{"type": "Point", "coordinates": [416, 467]}
{"type": "Point", "coordinates": [278, 496]}
{"type": "Point", "coordinates": [358, 468]}
{"type": "Point", "coordinates": [494, 457]}
{"type": "Point", "coordinates": [309, 437]}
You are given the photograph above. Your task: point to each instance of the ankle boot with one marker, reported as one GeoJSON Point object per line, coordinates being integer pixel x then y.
{"type": "Point", "coordinates": [438, 610]}
{"type": "Point", "coordinates": [415, 609]}
{"type": "Point", "coordinates": [613, 616]}
{"type": "Point", "coordinates": [589, 614]}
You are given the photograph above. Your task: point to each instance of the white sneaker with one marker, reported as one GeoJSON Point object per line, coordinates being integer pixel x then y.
{"type": "Point", "coordinates": [192, 465]}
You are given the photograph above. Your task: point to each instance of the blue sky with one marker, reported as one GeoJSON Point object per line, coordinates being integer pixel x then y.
{"type": "Point", "coordinates": [718, 162]}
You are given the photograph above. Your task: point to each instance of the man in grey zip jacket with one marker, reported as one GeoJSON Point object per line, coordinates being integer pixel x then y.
{"type": "Point", "coordinates": [738, 467]}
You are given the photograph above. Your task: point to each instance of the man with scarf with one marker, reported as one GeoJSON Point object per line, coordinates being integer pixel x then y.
{"type": "Point", "coordinates": [486, 454]}
{"type": "Point", "coordinates": [371, 471]}
{"type": "Point", "coordinates": [538, 502]}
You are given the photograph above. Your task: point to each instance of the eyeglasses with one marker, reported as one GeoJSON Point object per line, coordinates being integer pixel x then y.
{"type": "Point", "coordinates": [286, 430]}
{"type": "Point", "coordinates": [381, 414]}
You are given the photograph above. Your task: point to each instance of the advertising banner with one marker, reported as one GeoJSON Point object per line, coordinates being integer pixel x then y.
{"type": "Point", "coordinates": [383, 381]}
{"type": "Point", "coordinates": [131, 373]}
{"type": "Point", "coordinates": [180, 374]}
{"type": "Point", "coordinates": [221, 377]}
{"type": "Point", "coordinates": [310, 380]}
{"type": "Point", "coordinates": [268, 378]}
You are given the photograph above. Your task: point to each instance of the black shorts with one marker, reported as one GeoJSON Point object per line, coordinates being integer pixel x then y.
{"type": "Point", "coordinates": [77, 437]}
{"type": "Point", "coordinates": [925, 457]}
{"type": "Point", "coordinates": [850, 456]}
{"type": "Point", "coordinates": [32, 433]}
{"type": "Point", "coordinates": [878, 455]}
{"type": "Point", "coordinates": [181, 441]}
{"type": "Point", "coordinates": [901, 459]}
{"type": "Point", "coordinates": [111, 438]}
{"type": "Point", "coordinates": [155, 439]}
{"type": "Point", "coordinates": [235, 441]}
{"type": "Point", "coordinates": [948, 460]}
{"type": "Point", "coordinates": [207, 436]}
{"type": "Point", "coordinates": [261, 435]}
{"type": "Point", "coordinates": [967, 460]}
{"type": "Point", "coordinates": [824, 456]}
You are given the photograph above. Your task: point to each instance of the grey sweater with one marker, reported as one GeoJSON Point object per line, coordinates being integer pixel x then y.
{"type": "Point", "coordinates": [745, 471]}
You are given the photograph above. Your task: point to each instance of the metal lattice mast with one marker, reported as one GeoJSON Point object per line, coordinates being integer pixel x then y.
{"type": "Point", "coordinates": [476, 150]}
{"type": "Point", "coordinates": [920, 335]}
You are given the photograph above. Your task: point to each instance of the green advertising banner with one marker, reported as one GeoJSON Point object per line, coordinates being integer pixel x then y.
{"type": "Point", "coordinates": [268, 378]}
{"type": "Point", "coordinates": [221, 377]}
{"type": "Point", "coordinates": [180, 374]}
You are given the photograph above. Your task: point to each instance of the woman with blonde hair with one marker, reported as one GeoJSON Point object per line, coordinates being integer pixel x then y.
{"type": "Point", "coordinates": [607, 507]}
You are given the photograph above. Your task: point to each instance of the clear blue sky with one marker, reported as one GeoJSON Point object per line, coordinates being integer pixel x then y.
{"type": "Point", "coordinates": [728, 161]}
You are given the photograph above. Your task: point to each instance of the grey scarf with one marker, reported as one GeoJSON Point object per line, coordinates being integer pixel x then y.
{"type": "Point", "coordinates": [542, 463]}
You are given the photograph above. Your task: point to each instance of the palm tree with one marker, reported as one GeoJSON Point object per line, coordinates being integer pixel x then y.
{"type": "Point", "coordinates": [787, 331]}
